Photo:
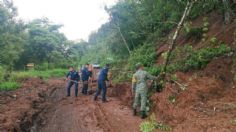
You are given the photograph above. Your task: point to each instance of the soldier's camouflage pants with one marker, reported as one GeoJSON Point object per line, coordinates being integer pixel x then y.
{"type": "Point", "coordinates": [140, 95]}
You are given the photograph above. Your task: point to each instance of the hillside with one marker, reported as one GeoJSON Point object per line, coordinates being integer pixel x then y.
{"type": "Point", "coordinates": [208, 103]}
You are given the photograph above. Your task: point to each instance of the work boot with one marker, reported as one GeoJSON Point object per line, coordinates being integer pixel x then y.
{"type": "Point", "coordinates": [143, 114]}
{"type": "Point", "coordinates": [104, 101]}
{"type": "Point", "coordinates": [134, 112]}
{"type": "Point", "coordinates": [95, 98]}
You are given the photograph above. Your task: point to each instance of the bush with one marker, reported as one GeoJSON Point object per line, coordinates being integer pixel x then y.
{"type": "Point", "coordinates": [42, 67]}
{"type": "Point", "coordinates": [213, 41]}
{"type": "Point", "coordinates": [192, 32]}
{"type": "Point", "coordinates": [9, 85]}
{"type": "Point", "coordinates": [154, 70]}
{"type": "Point", "coordinates": [196, 59]}
{"type": "Point", "coordinates": [1, 74]}
{"type": "Point", "coordinates": [145, 54]}
{"type": "Point", "coordinates": [201, 58]}
{"type": "Point", "coordinates": [152, 124]}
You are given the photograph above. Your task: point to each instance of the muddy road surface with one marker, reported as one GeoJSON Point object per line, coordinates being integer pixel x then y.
{"type": "Point", "coordinates": [44, 108]}
{"type": "Point", "coordinates": [82, 114]}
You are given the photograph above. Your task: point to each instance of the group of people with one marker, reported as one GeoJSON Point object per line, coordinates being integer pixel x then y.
{"type": "Point", "coordinates": [74, 78]}
{"type": "Point", "coordinates": [139, 85]}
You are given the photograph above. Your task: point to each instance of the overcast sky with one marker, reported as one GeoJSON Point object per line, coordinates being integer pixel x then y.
{"type": "Point", "coordinates": [79, 17]}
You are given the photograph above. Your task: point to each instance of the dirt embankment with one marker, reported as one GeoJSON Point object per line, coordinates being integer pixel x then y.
{"type": "Point", "coordinates": [208, 104]}
{"type": "Point", "coordinates": [20, 109]}
{"type": "Point", "coordinates": [123, 93]}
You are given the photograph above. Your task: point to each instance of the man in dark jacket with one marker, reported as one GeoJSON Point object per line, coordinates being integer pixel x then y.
{"type": "Point", "coordinates": [85, 78]}
{"type": "Point", "coordinates": [73, 78]}
{"type": "Point", "coordinates": [102, 78]}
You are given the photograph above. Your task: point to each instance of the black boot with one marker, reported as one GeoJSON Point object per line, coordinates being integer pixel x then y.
{"type": "Point", "coordinates": [104, 101]}
{"type": "Point", "coordinates": [134, 112]}
{"type": "Point", "coordinates": [95, 98]}
{"type": "Point", "coordinates": [143, 114]}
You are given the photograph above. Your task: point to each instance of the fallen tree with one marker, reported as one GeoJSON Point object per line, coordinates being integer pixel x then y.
{"type": "Point", "coordinates": [172, 44]}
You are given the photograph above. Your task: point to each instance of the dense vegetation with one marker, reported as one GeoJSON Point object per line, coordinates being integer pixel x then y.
{"type": "Point", "coordinates": [135, 29]}
{"type": "Point", "coordinates": [38, 42]}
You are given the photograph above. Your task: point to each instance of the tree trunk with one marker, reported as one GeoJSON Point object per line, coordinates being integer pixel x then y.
{"type": "Point", "coordinates": [227, 11]}
{"type": "Point", "coordinates": [123, 38]}
{"type": "Point", "coordinates": [173, 41]}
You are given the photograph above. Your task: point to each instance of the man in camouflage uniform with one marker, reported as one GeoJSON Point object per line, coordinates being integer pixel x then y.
{"type": "Point", "coordinates": [141, 77]}
{"type": "Point", "coordinates": [134, 82]}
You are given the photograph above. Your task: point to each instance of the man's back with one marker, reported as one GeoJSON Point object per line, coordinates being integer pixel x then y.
{"type": "Point", "coordinates": [141, 77]}
{"type": "Point", "coordinates": [103, 75]}
{"type": "Point", "coordinates": [85, 74]}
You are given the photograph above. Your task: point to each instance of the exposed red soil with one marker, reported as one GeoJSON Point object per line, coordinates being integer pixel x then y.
{"type": "Point", "coordinates": [18, 107]}
{"type": "Point", "coordinates": [122, 92]}
{"type": "Point", "coordinates": [208, 103]}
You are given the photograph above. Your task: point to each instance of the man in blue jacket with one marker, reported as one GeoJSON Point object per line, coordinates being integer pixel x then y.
{"type": "Point", "coordinates": [102, 78]}
{"type": "Point", "coordinates": [85, 78]}
{"type": "Point", "coordinates": [73, 78]}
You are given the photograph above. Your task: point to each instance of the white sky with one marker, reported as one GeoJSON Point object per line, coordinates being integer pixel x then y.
{"type": "Point", "coordinates": [79, 17]}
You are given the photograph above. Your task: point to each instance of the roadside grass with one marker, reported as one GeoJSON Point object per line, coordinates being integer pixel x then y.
{"type": "Point", "coordinates": [17, 76]}
{"type": "Point", "coordinates": [151, 125]}
{"type": "Point", "coordinates": [9, 86]}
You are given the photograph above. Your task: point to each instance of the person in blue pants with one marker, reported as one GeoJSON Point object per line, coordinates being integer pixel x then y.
{"type": "Point", "coordinates": [73, 78]}
{"type": "Point", "coordinates": [85, 78]}
{"type": "Point", "coordinates": [102, 78]}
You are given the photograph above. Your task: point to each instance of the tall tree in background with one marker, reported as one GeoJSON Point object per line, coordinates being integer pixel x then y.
{"type": "Point", "coordinates": [12, 35]}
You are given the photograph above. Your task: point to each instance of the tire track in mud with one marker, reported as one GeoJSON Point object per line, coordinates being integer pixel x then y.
{"type": "Point", "coordinates": [100, 114]}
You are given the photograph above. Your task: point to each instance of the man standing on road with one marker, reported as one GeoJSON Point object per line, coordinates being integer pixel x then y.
{"type": "Point", "coordinates": [73, 78]}
{"type": "Point", "coordinates": [141, 77]}
{"type": "Point", "coordinates": [102, 78]}
{"type": "Point", "coordinates": [85, 78]}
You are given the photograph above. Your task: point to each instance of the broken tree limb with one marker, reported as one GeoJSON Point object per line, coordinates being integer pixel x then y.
{"type": "Point", "coordinates": [182, 86]}
{"type": "Point", "coordinates": [124, 40]}
{"type": "Point", "coordinates": [173, 41]}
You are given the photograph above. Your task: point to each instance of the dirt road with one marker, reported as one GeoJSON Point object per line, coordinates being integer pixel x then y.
{"type": "Point", "coordinates": [58, 113]}
{"type": "Point", "coordinates": [82, 114]}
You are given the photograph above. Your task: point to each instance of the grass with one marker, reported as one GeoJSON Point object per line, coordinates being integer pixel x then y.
{"type": "Point", "coordinates": [9, 86]}
{"type": "Point", "coordinates": [152, 124]}
{"type": "Point", "coordinates": [13, 82]}
{"type": "Point", "coordinates": [172, 99]}
{"type": "Point", "coordinates": [41, 74]}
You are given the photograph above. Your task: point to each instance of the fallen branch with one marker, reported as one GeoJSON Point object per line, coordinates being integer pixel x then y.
{"type": "Point", "coordinates": [182, 86]}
